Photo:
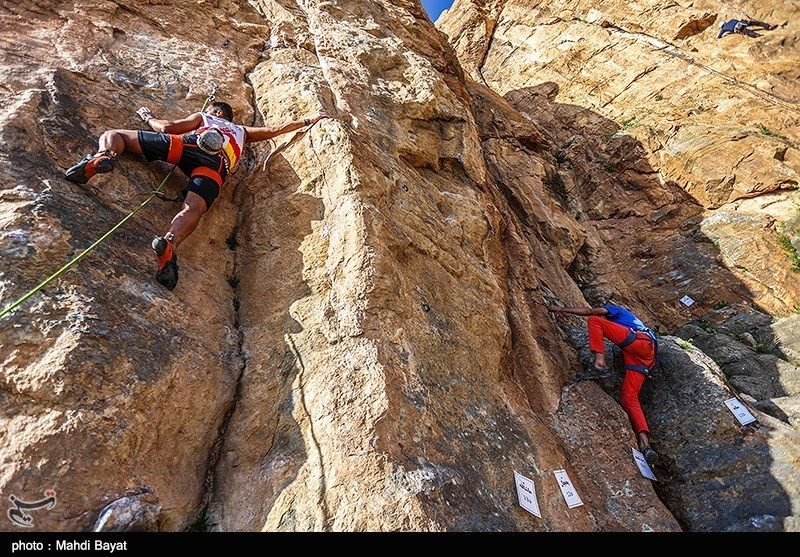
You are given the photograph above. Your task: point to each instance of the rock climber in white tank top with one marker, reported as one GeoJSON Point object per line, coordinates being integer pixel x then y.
{"type": "Point", "coordinates": [205, 145]}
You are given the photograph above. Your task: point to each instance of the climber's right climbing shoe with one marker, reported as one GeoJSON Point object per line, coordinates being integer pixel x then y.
{"type": "Point", "coordinates": [650, 455]}
{"type": "Point", "coordinates": [91, 164]}
{"type": "Point", "coordinates": [167, 273]}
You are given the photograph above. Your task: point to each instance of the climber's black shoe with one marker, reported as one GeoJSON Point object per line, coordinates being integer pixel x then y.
{"type": "Point", "coordinates": [650, 455]}
{"type": "Point", "coordinates": [89, 166]}
{"type": "Point", "coordinates": [593, 373]}
{"type": "Point", "coordinates": [167, 273]}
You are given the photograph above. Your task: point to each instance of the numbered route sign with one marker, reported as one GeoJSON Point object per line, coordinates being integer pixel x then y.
{"type": "Point", "coordinates": [740, 411]}
{"type": "Point", "coordinates": [567, 489]}
{"type": "Point", "coordinates": [641, 463]}
{"type": "Point", "coordinates": [527, 494]}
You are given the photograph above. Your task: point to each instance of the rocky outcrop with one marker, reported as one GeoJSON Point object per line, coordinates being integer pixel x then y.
{"type": "Point", "coordinates": [714, 473]}
{"type": "Point", "coordinates": [677, 154]}
{"type": "Point", "coordinates": [646, 97]}
{"type": "Point", "coordinates": [718, 475]}
{"type": "Point", "coordinates": [359, 338]}
{"type": "Point", "coordinates": [391, 391]}
{"type": "Point", "coordinates": [111, 386]}
{"type": "Point", "coordinates": [354, 343]}
{"type": "Point", "coordinates": [756, 356]}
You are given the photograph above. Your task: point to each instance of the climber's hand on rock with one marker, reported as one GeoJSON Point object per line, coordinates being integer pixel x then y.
{"type": "Point", "coordinates": [145, 114]}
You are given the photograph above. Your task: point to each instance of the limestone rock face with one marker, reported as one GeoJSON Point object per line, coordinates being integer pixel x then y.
{"type": "Point", "coordinates": [755, 355]}
{"type": "Point", "coordinates": [359, 338]}
{"type": "Point", "coordinates": [786, 332]}
{"type": "Point", "coordinates": [111, 386]}
{"type": "Point", "coordinates": [396, 371]}
{"type": "Point", "coordinates": [645, 93]}
{"type": "Point", "coordinates": [677, 153]}
{"type": "Point", "coordinates": [715, 474]}
{"type": "Point", "coordinates": [704, 448]}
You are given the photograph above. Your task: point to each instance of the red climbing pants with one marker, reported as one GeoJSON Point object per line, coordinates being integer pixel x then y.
{"type": "Point", "coordinates": [640, 352]}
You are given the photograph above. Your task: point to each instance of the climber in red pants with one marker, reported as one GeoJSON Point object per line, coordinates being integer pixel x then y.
{"type": "Point", "coordinates": [638, 344]}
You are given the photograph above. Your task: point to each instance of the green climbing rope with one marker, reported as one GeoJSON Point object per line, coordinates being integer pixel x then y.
{"type": "Point", "coordinates": [84, 252]}
{"type": "Point", "coordinates": [66, 267]}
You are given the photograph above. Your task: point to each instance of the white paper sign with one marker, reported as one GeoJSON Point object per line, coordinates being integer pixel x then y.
{"type": "Point", "coordinates": [740, 411]}
{"type": "Point", "coordinates": [687, 301]}
{"type": "Point", "coordinates": [567, 489]}
{"type": "Point", "coordinates": [527, 494]}
{"type": "Point", "coordinates": [641, 462]}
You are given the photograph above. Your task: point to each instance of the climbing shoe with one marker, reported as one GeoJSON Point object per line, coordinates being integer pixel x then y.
{"type": "Point", "coordinates": [167, 273]}
{"type": "Point", "coordinates": [650, 455]}
{"type": "Point", "coordinates": [593, 373]}
{"type": "Point", "coordinates": [91, 164]}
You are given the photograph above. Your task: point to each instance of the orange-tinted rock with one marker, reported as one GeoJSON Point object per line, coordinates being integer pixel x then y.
{"type": "Point", "coordinates": [358, 340]}
{"type": "Point", "coordinates": [717, 117]}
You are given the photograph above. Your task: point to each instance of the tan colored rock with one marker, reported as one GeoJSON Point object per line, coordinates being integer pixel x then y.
{"type": "Point", "coordinates": [716, 117]}
{"type": "Point", "coordinates": [751, 244]}
{"type": "Point", "coordinates": [638, 102]}
{"type": "Point", "coordinates": [359, 339]}
{"type": "Point", "coordinates": [390, 394]}
{"type": "Point", "coordinates": [355, 342]}
{"type": "Point", "coordinates": [787, 334]}
{"type": "Point", "coordinates": [111, 386]}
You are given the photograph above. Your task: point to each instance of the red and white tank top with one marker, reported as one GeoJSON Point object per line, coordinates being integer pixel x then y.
{"type": "Point", "coordinates": [234, 137]}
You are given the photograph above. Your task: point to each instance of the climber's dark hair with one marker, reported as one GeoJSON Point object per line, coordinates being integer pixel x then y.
{"type": "Point", "coordinates": [225, 108]}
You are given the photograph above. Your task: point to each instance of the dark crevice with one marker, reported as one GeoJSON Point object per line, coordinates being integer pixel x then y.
{"type": "Point", "coordinates": [238, 360]}
{"type": "Point", "coordinates": [482, 61]}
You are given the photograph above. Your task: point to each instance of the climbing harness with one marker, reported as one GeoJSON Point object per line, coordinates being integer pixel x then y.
{"type": "Point", "coordinates": [632, 337]}
{"type": "Point", "coordinates": [62, 270]}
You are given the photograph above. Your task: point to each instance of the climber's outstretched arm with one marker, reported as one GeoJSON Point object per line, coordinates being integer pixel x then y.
{"type": "Point", "coordinates": [177, 127]}
{"type": "Point", "coordinates": [262, 133]}
{"type": "Point", "coordinates": [578, 311]}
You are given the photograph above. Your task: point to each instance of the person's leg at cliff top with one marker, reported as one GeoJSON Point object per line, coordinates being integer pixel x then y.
{"type": "Point", "coordinates": [638, 353]}
{"type": "Point", "coordinates": [745, 28]}
{"type": "Point", "coordinates": [763, 25]}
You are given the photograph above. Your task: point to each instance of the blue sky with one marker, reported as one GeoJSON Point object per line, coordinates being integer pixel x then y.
{"type": "Point", "coordinates": [435, 7]}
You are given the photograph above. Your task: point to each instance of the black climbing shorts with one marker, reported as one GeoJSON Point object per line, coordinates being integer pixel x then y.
{"type": "Point", "coordinates": [206, 172]}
